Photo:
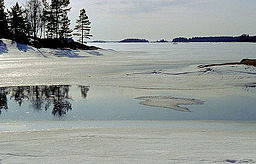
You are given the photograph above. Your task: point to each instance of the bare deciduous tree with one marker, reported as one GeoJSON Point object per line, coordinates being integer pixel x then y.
{"type": "Point", "coordinates": [34, 11]}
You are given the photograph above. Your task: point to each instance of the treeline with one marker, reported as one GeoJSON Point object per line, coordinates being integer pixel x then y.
{"type": "Point", "coordinates": [242, 38]}
{"type": "Point", "coordinates": [42, 23]}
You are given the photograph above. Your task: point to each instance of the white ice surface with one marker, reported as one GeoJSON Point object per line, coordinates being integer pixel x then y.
{"type": "Point", "coordinates": [169, 68]}
{"type": "Point", "coordinates": [128, 145]}
{"type": "Point", "coordinates": [123, 68]}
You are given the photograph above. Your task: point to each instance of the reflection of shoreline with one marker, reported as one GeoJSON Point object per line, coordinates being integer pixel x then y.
{"type": "Point", "coordinates": [41, 97]}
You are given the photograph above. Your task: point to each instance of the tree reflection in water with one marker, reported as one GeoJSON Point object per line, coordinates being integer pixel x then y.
{"type": "Point", "coordinates": [41, 97]}
{"type": "Point", "coordinates": [3, 100]}
{"type": "Point", "coordinates": [84, 90]}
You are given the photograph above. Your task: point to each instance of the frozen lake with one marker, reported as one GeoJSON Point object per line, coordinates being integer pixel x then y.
{"type": "Point", "coordinates": [105, 87]}
{"type": "Point", "coordinates": [108, 84]}
{"type": "Point", "coordinates": [128, 103]}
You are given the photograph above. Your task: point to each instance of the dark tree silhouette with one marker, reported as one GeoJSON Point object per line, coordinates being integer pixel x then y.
{"type": "Point", "coordinates": [134, 40]}
{"type": "Point", "coordinates": [65, 31]}
{"type": "Point", "coordinates": [55, 14]}
{"type": "Point", "coordinates": [4, 32]}
{"type": "Point", "coordinates": [83, 27]}
{"type": "Point", "coordinates": [17, 22]}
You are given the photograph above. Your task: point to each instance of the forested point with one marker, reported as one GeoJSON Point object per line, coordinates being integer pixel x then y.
{"type": "Point", "coordinates": [242, 38]}
{"type": "Point", "coordinates": [44, 25]}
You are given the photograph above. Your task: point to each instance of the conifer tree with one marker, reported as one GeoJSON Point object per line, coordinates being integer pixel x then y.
{"type": "Point", "coordinates": [56, 14]}
{"type": "Point", "coordinates": [17, 22]}
{"type": "Point", "coordinates": [65, 31]}
{"type": "Point", "coordinates": [83, 27]}
{"type": "Point", "coordinates": [48, 19]}
{"type": "Point", "coordinates": [4, 31]}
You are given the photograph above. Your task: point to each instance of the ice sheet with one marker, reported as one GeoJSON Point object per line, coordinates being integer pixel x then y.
{"type": "Point", "coordinates": [145, 67]}
{"type": "Point", "coordinates": [173, 66]}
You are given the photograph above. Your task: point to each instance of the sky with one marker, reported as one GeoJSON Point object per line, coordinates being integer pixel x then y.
{"type": "Point", "coordinates": [164, 19]}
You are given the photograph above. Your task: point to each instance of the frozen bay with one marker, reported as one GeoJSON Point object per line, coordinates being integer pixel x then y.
{"type": "Point", "coordinates": [115, 77]}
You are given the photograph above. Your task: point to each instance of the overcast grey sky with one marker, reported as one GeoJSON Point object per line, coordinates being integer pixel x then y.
{"type": "Point", "coordinates": [165, 19]}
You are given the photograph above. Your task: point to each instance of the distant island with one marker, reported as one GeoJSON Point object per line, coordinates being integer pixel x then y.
{"type": "Point", "coordinates": [134, 40]}
{"type": "Point", "coordinates": [242, 38]}
{"type": "Point", "coordinates": [162, 41]}
{"type": "Point", "coordinates": [98, 41]}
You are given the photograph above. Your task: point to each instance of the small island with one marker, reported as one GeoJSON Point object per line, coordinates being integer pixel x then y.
{"type": "Point", "coordinates": [98, 41]}
{"type": "Point", "coordinates": [161, 41]}
{"type": "Point", "coordinates": [134, 41]}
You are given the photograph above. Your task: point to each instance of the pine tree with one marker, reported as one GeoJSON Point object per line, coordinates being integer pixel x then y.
{"type": "Point", "coordinates": [56, 14]}
{"type": "Point", "coordinates": [17, 22]}
{"type": "Point", "coordinates": [48, 19]}
{"type": "Point", "coordinates": [4, 31]}
{"type": "Point", "coordinates": [65, 31]}
{"type": "Point", "coordinates": [83, 27]}
{"type": "Point", "coordinates": [53, 25]}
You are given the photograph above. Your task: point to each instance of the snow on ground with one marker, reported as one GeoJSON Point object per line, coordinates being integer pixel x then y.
{"type": "Point", "coordinates": [112, 68]}
{"type": "Point", "coordinates": [25, 65]}
{"type": "Point", "coordinates": [128, 145]}
{"type": "Point", "coordinates": [168, 102]}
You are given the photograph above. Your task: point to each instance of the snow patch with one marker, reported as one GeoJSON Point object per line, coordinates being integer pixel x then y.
{"type": "Point", "coordinates": [169, 102]}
